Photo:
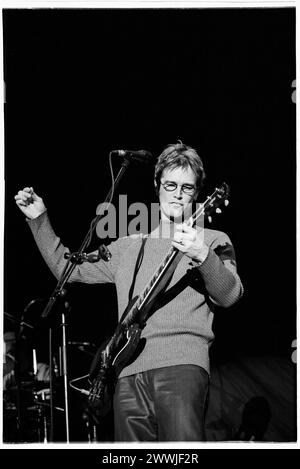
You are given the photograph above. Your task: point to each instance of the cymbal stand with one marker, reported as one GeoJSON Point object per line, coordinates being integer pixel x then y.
{"type": "Point", "coordinates": [42, 419]}
{"type": "Point", "coordinates": [63, 371]}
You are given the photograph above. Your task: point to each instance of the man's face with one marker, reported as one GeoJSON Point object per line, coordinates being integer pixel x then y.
{"type": "Point", "coordinates": [177, 191]}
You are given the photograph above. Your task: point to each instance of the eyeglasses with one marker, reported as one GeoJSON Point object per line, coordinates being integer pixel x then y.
{"type": "Point", "coordinates": [172, 186]}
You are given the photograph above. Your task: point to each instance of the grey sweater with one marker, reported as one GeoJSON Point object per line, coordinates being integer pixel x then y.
{"type": "Point", "coordinates": [180, 330]}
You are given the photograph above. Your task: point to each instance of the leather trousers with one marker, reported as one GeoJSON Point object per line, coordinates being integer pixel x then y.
{"type": "Point", "coordinates": [164, 404]}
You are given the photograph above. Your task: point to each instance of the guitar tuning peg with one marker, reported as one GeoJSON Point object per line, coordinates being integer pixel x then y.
{"type": "Point", "coordinates": [218, 210]}
{"type": "Point", "coordinates": [226, 202]}
{"type": "Point", "coordinates": [209, 219]}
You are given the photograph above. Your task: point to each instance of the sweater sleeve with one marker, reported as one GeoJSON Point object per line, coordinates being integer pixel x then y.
{"type": "Point", "coordinates": [219, 272]}
{"type": "Point", "coordinates": [53, 252]}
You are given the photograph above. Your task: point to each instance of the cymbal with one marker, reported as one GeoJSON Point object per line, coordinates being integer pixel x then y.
{"type": "Point", "coordinates": [46, 404]}
{"type": "Point", "coordinates": [85, 347]}
{"type": "Point", "coordinates": [36, 386]}
{"type": "Point", "coordinates": [30, 386]}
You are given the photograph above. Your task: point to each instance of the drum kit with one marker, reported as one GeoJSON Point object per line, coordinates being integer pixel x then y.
{"type": "Point", "coordinates": [26, 389]}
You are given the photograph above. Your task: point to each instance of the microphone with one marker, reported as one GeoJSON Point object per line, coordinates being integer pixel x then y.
{"type": "Point", "coordinates": [139, 155]}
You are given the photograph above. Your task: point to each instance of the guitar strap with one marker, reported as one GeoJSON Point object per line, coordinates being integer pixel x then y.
{"type": "Point", "coordinates": [138, 264]}
{"type": "Point", "coordinates": [158, 291]}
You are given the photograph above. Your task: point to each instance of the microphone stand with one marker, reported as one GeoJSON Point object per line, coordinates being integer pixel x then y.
{"type": "Point", "coordinates": [73, 259]}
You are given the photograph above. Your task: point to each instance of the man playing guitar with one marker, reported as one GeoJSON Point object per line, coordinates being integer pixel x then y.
{"type": "Point", "coordinates": [161, 390]}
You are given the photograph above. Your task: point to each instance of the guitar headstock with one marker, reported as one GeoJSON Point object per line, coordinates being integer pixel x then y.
{"type": "Point", "coordinates": [220, 196]}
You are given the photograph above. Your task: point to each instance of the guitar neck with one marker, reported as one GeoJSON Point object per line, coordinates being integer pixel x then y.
{"type": "Point", "coordinates": [160, 273]}
{"type": "Point", "coordinates": [157, 279]}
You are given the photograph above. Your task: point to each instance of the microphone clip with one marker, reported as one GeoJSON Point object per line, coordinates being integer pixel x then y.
{"type": "Point", "coordinates": [79, 258]}
{"type": "Point", "coordinates": [75, 257]}
{"type": "Point", "coordinates": [103, 253]}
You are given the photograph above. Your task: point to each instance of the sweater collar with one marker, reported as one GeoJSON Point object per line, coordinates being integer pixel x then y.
{"type": "Point", "coordinates": [165, 230]}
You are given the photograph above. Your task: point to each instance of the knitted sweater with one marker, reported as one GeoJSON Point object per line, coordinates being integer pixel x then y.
{"type": "Point", "coordinates": [180, 330]}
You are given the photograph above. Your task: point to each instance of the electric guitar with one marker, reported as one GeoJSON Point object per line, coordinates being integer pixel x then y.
{"type": "Point", "coordinates": [115, 353]}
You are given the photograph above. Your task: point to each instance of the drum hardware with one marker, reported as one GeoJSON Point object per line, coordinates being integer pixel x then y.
{"type": "Point", "coordinates": [27, 410]}
{"type": "Point", "coordinates": [17, 321]}
{"type": "Point", "coordinates": [86, 347]}
{"type": "Point", "coordinates": [90, 425]}
{"type": "Point", "coordinates": [34, 410]}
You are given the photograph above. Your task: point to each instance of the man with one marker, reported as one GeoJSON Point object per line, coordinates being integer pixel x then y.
{"type": "Point", "coordinates": [161, 394]}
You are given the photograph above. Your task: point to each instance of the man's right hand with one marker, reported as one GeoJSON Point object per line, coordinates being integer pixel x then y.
{"type": "Point", "coordinates": [30, 203]}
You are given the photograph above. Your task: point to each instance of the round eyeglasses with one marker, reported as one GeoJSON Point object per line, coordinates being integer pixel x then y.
{"type": "Point", "coordinates": [172, 186]}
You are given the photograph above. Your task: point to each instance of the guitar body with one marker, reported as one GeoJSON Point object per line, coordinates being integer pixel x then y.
{"type": "Point", "coordinates": [127, 347]}
{"type": "Point", "coordinates": [106, 369]}
{"type": "Point", "coordinates": [114, 354]}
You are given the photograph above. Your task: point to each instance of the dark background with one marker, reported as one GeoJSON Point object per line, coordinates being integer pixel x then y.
{"type": "Point", "coordinates": [80, 83]}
